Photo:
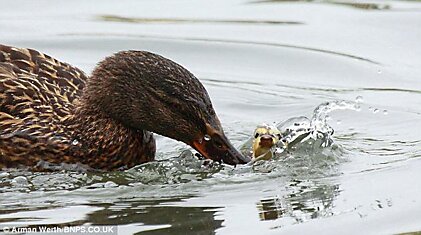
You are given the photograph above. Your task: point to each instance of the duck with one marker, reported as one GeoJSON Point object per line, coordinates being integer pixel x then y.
{"type": "Point", "coordinates": [52, 112]}
{"type": "Point", "coordinates": [265, 138]}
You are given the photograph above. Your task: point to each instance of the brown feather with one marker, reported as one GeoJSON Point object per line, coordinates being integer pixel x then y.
{"type": "Point", "coordinates": [52, 112]}
{"type": "Point", "coordinates": [40, 121]}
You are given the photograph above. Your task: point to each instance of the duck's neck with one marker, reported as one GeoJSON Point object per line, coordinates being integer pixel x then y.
{"type": "Point", "coordinates": [104, 143]}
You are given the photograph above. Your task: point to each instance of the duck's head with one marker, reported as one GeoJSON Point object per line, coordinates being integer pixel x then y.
{"type": "Point", "coordinates": [145, 91]}
{"type": "Point", "coordinates": [265, 138]}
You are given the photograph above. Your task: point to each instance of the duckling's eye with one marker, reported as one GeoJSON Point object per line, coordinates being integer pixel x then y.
{"type": "Point", "coordinates": [256, 135]}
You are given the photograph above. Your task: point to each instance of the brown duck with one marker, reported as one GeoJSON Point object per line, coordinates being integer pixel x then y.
{"type": "Point", "coordinates": [52, 112]}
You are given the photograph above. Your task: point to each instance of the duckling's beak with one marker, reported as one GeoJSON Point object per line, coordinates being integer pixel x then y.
{"type": "Point", "coordinates": [267, 141]}
{"type": "Point", "coordinates": [218, 148]}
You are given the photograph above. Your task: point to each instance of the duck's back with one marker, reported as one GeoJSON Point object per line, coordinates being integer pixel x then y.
{"type": "Point", "coordinates": [36, 93]}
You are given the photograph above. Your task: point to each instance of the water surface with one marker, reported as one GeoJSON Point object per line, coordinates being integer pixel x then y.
{"type": "Point", "coordinates": [261, 61]}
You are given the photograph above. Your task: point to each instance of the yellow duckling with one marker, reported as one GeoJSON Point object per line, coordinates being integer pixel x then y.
{"type": "Point", "coordinates": [265, 137]}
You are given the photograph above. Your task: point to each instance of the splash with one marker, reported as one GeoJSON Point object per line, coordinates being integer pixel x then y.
{"type": "Point", "coordinates": [182, 169]}
{"type": "Point", "coordinates": [306, 136]}
{"type": "Point", "coordinates": [306, 147]}
{"type": "Point", "coordinates": [315, 131]}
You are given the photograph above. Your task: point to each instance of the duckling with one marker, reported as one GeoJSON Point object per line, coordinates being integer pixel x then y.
{"type": "Point", "coordinates": [265, 138]}
{"type": "Point", "coordinates": [52, 112]}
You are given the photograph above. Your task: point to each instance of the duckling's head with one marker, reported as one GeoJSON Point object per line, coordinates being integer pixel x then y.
{"type": "Point", "coordinates": [265, 138]}
{"type": "Point", "coordinates": [145, 91]}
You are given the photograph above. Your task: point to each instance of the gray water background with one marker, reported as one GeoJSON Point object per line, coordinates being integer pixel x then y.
{"type": "Point", "coordinates": [261, 61]}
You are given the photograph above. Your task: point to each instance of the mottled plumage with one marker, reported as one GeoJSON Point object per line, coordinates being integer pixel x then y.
{"type": "Point", "coordinates": [51, 111]}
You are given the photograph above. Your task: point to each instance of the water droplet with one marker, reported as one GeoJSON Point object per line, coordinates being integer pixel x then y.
{"type": "Point", "coordinates": [4, 174]}
{"type": "Point", "coordinates": [385, 112]}
{"type": "Point", "coordinates": [110, 184]}
{"type": "Point", "coordinates": [376, 110]}
{"type": "Point", "coordinates": [96, 185]}
{"type": "Point", "coordinates": [20, 180]}
{"type": "Point", "coordinates": [379, 71]}
{"type": "Point", "coordinates": [370, 108]}
{"type": "Point", "coordinates": [328, 117]}
{"type": "Point", "coordinates": [359, 99]}
{"type": "Point", "coordinates": [338, 122]}
{"type": "Point", "coordinates": [75, 142]}
{"type": "Point", "coordinates": [207, 137]}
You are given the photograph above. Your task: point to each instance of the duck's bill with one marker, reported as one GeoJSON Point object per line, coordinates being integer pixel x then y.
{"type": "Point", "coordinates": [220, 149]}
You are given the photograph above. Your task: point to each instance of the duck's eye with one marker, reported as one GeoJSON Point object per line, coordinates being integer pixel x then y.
{"type": "Point", "coordinates": [218, 142]}
{"type": "Point", "coordinates": [256, 135]}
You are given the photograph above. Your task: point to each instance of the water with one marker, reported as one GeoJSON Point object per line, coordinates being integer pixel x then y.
{"type": "Point", "coordinates": [261, 61]}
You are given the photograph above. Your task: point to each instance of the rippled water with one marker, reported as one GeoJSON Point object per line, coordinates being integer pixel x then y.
{"type": "Point", "coordinates": [355, 65]}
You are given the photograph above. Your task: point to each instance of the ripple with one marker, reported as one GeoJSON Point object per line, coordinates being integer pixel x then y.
{"type": "Point", "coordinates": [115, 18]}
{"type": "Point", "coordinates": [227, 41]}
{"type": "Point", "coordinates": [366, 6]}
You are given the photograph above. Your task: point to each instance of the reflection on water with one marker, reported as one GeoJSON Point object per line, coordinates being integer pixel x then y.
{"type": "Point", "coordinates": [270, 208]}
{"type": "Point", "coordinates": [311, 199]}
{"type": "Point", "coordinates": [358, 5]}
{"type": "Point", "coordinates": [114, 18]}
{"type": "Point", "coordinates": [305, 200]}
{"type": "Point", "coordinates": [164, 219]}
{"type": "Point", "coordinates": [365, 6]}
{"type": "Point", "coordinates": [151, 217]}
